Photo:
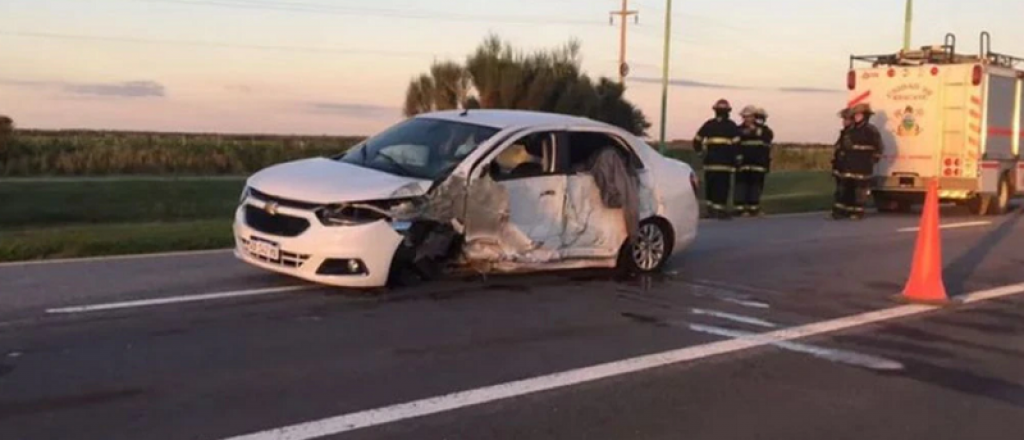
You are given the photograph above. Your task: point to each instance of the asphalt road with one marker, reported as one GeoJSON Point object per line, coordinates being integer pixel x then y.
{"type": "Point", "coordinates": [779, 328]}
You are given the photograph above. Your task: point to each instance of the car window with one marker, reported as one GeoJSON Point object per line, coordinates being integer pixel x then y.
{"type": "Point", "coordinates": [582, 146]}
{"type": "Point", "coordinates": [529, 156]}
{"type": "Point", "coordinates": [420, 147]}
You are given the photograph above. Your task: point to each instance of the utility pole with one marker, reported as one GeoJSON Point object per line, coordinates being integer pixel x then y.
{"type": "Point", "coordinates": [664, 75]}
{"type": "Point", "coordinates": [908, 19]}
{"type": "Point", "coordinates": [623, 14]}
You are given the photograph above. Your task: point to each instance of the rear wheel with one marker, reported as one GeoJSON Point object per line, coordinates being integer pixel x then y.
{"type": "Point", "coordinates": [1001, 203]}
{"type": "Point", "coordinates": [887, 203]}
{"type": "Point", "coordinates": [983, 204]}
{"type": "Point", "coordinates": [650, 250]}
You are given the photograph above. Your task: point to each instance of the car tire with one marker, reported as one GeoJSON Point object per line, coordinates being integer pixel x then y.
{"type": "Point", "coordinates": [650, 250]}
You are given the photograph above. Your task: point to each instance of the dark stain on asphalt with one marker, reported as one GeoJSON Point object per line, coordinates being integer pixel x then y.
{"type": "Point", "coordinates": [167, 332]}
{"type": "Point", "coordinates": [644, 319]}
{"type": "Point", "coordinates": [964, 381]}
{"type": "Point", "coordinates": [895, 346]}
{"type": "Point", "coordinates": [506, 341]}
{"type": "Point", "coordinates": [982, 327]}
{"type": "Point", "coordinates": [6, 369]}
{"type": "Point", "coordinates": [885, 286]}
{"type": "Point", "coordinates": [920, 335]}
{"type": "Point", "coordinates": [12, 408]}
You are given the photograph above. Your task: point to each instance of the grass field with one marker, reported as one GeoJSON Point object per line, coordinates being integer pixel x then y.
{"type": "Point", "coordinates": [76, 218]}
{"type": "Point", "coordinates": [33, 153]}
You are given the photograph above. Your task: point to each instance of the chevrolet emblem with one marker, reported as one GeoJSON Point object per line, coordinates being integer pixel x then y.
{"type": "Point", "coordinates": [271, 208]}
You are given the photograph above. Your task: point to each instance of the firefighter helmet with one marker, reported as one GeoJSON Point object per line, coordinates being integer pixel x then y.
{"type": "Point", "coordinates": [761, 113]}
{"type": "Point", "coordinates": [749, 110]}
{"type": "Point", "coordinates": [863, 108]}
{"type": "Point", "coordinates": [722, 104]}
{"type": "Point", "coordinates": [845, 113]}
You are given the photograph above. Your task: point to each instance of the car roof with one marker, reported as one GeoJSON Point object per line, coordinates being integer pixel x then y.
{"type": "Point", "coordinates": [502, 119]}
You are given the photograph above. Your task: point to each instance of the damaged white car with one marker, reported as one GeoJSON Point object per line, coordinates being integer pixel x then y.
{"type": "Point", "coordinates": [487, 190]}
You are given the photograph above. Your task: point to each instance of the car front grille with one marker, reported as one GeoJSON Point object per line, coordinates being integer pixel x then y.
{"type": "Point", "coordinates": [280, 225]}
{"type": "Point", "coordinates": [288, 259]}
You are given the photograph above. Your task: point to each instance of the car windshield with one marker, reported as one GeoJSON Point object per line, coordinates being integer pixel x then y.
{"type": "Point", "coordinates": [422, 148]}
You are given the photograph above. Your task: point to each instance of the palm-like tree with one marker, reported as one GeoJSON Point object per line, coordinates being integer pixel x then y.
{"type": "Point", "coordinates": [503, 77]}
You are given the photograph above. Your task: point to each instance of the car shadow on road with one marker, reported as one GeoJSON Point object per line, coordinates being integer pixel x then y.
{"type": "Point", "coordinates": [960, 270]}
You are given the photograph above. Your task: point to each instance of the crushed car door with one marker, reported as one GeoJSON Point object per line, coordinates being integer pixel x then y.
{"type": "Point", "coordinates": [598, 218]}
{"type": "Point", "coordinates": [515, 210]}
{"type": "Point", "coordinates": [536, 194]}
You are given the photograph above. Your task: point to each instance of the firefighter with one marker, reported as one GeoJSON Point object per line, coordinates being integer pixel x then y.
{"type": "Point", "coordinates": [755, 155]}
{"type": "Point", "coordinates": [716, 142]}
{"type": "Point", "coordinates": [837, 153]}
{"type": "Point", "coordinates": [860, 149]}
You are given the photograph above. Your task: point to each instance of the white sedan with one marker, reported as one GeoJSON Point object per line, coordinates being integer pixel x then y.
{"type": "Point", "coordinates": [487, 190]}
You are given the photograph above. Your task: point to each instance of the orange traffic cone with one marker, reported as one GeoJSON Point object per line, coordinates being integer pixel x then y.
{"type": "Point", "coordinates": [925, 284]}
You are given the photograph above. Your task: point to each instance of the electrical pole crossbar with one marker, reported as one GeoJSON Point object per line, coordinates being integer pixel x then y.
{"type": "Point", "coordinates": [623, 14]}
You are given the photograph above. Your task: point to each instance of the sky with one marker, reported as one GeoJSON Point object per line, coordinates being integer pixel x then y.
{"type": "Point", "coordinates": [341, 67]}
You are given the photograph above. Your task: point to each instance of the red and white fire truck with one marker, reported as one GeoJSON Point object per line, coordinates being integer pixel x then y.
{"type": "Point", "coordinates": [947, 116]}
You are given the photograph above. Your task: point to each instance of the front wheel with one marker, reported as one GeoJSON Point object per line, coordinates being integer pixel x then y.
{"type": "Point", "coordinates": [650, 250]}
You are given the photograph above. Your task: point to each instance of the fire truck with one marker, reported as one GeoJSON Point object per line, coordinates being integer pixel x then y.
{"type": "Point", "coordinates": [955, 117]}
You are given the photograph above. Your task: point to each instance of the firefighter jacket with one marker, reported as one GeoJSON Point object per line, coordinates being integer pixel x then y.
{"type": "Point", "coordinates": [755, 148]}
{"type": "Point", "coordinates": [837, 153]}
{"type": "Point", "coordinates": [717, 140]}
{"type": "Point", "coordinates": [861, 149]}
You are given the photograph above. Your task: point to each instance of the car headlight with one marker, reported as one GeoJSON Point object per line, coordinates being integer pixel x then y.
{"type": "Point", "coordinates": [351, 214]}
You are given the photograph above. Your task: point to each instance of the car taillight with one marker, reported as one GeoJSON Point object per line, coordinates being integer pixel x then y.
{"type": "Point", "coordinates": [851, 80]}
{"type": "Point", "coordinates": [976, 75]}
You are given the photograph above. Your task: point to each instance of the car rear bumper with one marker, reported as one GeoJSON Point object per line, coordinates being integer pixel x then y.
{"type": "Point", "coordinates": [321, 253]}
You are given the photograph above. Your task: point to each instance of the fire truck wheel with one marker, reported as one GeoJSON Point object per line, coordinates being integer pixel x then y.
{"type": "Point", "coordinates": [1001, 203]}
{"type": "Point", "coordinates": [984, 204]}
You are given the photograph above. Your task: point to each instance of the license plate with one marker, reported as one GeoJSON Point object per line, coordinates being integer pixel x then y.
{"type": "Point", "coordinates": [264, 249]}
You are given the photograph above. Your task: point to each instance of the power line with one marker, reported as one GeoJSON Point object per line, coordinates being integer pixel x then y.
{"type": "Point", "coordinates": [316, 8]}
{"type": "Point", "coordinates": [211, 44]}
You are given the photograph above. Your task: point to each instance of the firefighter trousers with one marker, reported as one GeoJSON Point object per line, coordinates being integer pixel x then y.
{"type": "Point", "coordinates": [851, 197]}
{"type": "Point", "coordinates": [718, 183]}
{"type": "Point", "coordinates": [749, 187]}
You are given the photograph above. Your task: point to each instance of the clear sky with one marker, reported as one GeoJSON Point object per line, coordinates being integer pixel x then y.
{"type": "Point", "coordinates": [341, 66]}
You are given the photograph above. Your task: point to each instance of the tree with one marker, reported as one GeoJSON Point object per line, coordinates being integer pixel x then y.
{"type": "Point", "coordinates": [496, 75]}
{"type": "Point", "coordinates": [6, 135]}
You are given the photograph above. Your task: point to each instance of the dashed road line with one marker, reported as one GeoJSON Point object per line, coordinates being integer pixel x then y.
{"type": "Point", "coordinates": [950, 226]}
{"type": "Point", "coordinates": [453, 401]}
{"type": "Point", "coordinates": [831, 354]}
{"type": "Point", "coordinates": [734, 317]}
{"type": "Point", "coordinates": [177, 300]}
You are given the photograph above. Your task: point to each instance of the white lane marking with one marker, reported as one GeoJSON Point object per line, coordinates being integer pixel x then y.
{"type": "Point", "coordinates": [831, 354]}
{"type": "Point", "coordinates": [950, 226]}
{"type": "Point", "coordinates": [177, 299]}
{"type": "Point", "coordinates": [734, 317]}
{"type": "Point", "coordinates": [448, 402]}
{"type": "Point", "coordinates": [746, 303]}
{"type": "Point", "coordinates": [115, 258]}
{"type": "Point", "coordinates": [733, 287]}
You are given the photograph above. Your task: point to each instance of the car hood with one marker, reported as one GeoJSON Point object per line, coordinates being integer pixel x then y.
{"type": "Point", "coordinates": [322, 180]}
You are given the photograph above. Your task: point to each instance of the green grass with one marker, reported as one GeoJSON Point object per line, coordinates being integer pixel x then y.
{"type": "Point", "coordinates": [64, 219]}
{"type": "Point", "coordinates": [41, 204]}
{"type": "Point", "coordinates": [113, 239]}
